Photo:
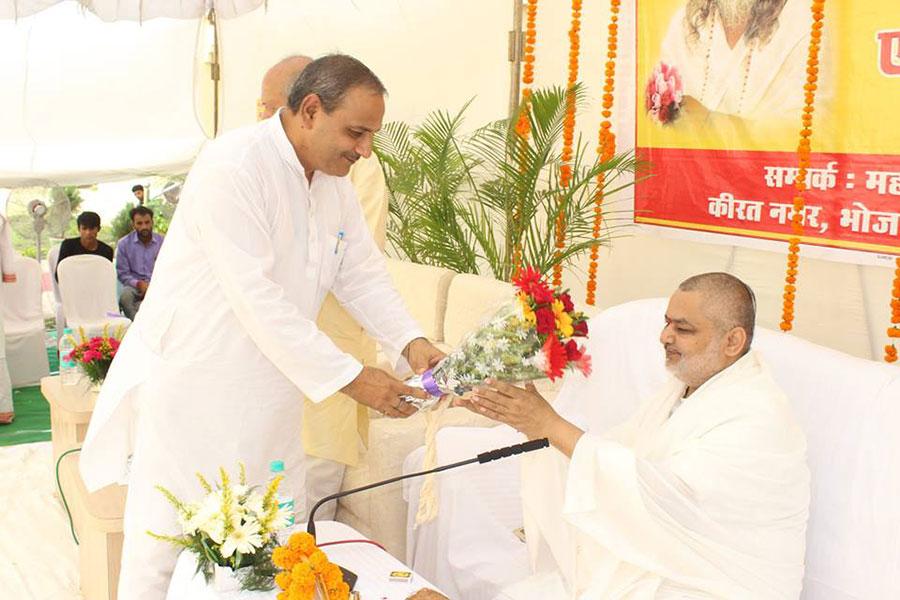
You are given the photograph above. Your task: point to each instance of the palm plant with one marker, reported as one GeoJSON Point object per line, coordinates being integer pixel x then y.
{"type": "Point", "coordinates": [469, 202]}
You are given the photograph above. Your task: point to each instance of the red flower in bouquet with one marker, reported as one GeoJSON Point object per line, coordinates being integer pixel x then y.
{"type": "Point", "coordinates": [581, 328]}
{"type": "Point", "coordinates": [530, 281]}
{"type": "Point", "coordinates": [573, 352]}
{"type": "Point", "coordinates": [555, 357]}
{"type": "Point", "coordinates": [663, 94]}
{"type": "Point", "coordinates": [95, 355]}
{"type": "Point", "coordinates": [566, 299]}
{"type": "Point", "coordinates": [546, 322]}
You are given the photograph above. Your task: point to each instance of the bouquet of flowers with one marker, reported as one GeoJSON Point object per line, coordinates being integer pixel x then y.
{"type": "Point", "coordinates": [95, 355]}
{"type": "Point", "coordinates": [232, 527]}
{"type": "Point", "coordinates": [306, 573]}
{"type": "Point", "coordinates": [531, 337]}
{"type": "Point", "coordinates": [664, 93]}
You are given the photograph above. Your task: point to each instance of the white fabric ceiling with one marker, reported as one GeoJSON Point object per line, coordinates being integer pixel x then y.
{"type": "Point", "coordinates": [133, 10]}
{"type": "Point", "coordinates": [87, 101]}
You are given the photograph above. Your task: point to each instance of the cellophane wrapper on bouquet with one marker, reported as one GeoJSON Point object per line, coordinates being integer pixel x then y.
{"type": "Point", "coordinates": [532, 336]}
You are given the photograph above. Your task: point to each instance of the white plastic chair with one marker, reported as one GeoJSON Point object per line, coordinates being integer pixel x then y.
{"type": "Point", "coordinates": [87, 285]}
{"type": "Point", "coordinates": [52, 259]}
{"type": "Point", "coordinates": [23, 324]}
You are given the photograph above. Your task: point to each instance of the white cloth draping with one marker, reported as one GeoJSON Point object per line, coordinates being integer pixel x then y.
{"type": "Point", "coordinates": [136, 10]}
{"type": "Point", "coordinates": [23, 324]}
{"type": "Point", "coordinates": [225, 337]}
{"type": "Point", "coordinates": [7, 258]}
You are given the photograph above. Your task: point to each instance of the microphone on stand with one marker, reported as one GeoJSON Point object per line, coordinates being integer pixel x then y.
{"type": "Point", "coordinates": [482, 458]}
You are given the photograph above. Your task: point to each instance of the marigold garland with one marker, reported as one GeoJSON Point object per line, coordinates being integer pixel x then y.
{"type": "Point", "coordinates": [303, 568]}
{"type": "Point", "coordinates": [565, 169]}
{"type": "Point", "coordinates": [523, 124]}
{"type": "Point", "coordinates": [607, 143]}
{"type": "Point", "coordinates": [803, 151]}
{"type": "Point", "coordinates": [890, 351]}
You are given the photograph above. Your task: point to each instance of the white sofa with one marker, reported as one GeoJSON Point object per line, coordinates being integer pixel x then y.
{"type": "Point", "coordinates": [849, 408]}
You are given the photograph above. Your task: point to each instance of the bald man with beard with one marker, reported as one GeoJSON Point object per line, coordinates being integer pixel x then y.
{"type": "Point", "coordinates": [333, 429]}
{"type": "Point", "coordinates": [742, 61]}
{"type": "Point", "coordinates": [702, 494]}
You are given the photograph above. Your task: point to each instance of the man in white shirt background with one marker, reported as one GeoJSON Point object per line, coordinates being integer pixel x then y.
{"type": "Point", "coordinates": [209, 372]}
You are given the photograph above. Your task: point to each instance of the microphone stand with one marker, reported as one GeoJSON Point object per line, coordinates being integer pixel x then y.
{"type": "Point", "coordinates": [482, 458]}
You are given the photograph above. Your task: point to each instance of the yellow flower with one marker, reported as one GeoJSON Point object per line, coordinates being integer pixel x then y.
{"type": "Point", "coordinates": [302, 542]}
{"type": "Point", "coordinates": [527, 312]}
{"type": "Point", "coordinates": [283, 558]}
{"type": "Point", "coordinates": [563, 320]}
{"type": "Point", "coordinates": [318, 560]}
{"type": "Point", "coordinates": [283, 596]}
{"type": "Point", "coordinates": [283, 580]}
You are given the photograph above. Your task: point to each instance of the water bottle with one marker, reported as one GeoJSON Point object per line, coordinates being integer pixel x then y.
{"type": "Point", "coordinates": [68, 369]}
{"type": "Point", "coordinates": [276, 467]}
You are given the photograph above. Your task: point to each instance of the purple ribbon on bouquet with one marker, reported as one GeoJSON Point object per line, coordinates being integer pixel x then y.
{"type": "Point", "coordinates": [429, 384]}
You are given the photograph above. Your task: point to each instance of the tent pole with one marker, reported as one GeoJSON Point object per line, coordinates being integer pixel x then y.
{"type": "Point", "coordinates": [214, 69]}
{"type": "Point", "coordinates": [515, 57]}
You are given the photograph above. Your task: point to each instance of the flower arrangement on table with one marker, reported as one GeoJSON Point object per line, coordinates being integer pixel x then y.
{"type": "Point", "coordinates": [233, 528]}
{"type": "Point", "coordinates": [95, 355]}
{"type": "Point", "coordinates": [664, 94]}
{"type": "Point", "coordinates": [533, 336]}
{"type": "Point", "coordinates": [306, 571]}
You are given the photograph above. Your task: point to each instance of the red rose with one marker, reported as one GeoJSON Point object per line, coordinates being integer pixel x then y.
{"type": "Point", "coordinates": [546, 322]}
{"type": "Point", "coordinates": [573, 352]}
{"type": "Point", "coordinates": [581, 329]}
{"type": "Point", "coordinates": [541, 294]}
{"type": "Point", "coordinates": [566, 299]}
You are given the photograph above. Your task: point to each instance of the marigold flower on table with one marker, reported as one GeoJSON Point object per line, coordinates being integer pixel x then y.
{"type": "Point", "coordinates": [529, 337]}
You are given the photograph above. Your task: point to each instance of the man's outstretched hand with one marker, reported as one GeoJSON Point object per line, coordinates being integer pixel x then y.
{"type": "Point", "coordinates": [383, 392]}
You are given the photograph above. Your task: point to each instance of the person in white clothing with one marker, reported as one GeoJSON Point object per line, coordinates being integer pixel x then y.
{"type": "Point", "coordinates": [742, 61]}
{"type": "Point", "coordinates": [208, 374]}
{"type": "Point", "coordinates": [703, 493]}
{"type": "Point", "coordinates": [7, 268]}
{"type": "Point", "coordinates": [336, 428]}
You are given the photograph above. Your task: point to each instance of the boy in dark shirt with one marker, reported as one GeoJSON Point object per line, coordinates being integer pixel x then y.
{"type": "Point", "coordinates": [86, 242]}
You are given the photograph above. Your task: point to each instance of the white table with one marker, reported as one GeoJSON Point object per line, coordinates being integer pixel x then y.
{"type": "Point", "coordinates": [370, 563]}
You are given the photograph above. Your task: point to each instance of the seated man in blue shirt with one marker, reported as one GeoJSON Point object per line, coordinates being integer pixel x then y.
{"type": "Point", "coordinates": [135, 257]}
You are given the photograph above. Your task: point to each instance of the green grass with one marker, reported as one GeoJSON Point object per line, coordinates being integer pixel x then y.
{"type": "Point", "coordinates": [32, 422]}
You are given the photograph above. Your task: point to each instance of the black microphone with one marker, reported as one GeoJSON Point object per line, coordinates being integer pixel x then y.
{"type": "Point", "coordinates": [484, 457]}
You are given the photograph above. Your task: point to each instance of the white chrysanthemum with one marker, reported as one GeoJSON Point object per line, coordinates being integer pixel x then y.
{"type": "Point", "coordinates": [244, 538]}
{"type": "Point", "coordinates": [282, 519]}
{"type": "Point", "coordinates": [497, 366]}
{"type": "Point", "coordinates": [502, 344]}
{"type": "Point", "coordinates": [254, 503]}
{"type": "Point", "coordinates": [538, 361]}
{"type": "Point", "coordinates": [204, 513]}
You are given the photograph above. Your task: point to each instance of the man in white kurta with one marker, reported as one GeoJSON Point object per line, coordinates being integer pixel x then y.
{"type": "Point", "coordinates": [209, 373]}
{"type": "Point", "coordinates": [704, 493]}
{"type": "Point", "coordinates": [334, 428]}
{"type": "Point", "coordinates": [745, 60]}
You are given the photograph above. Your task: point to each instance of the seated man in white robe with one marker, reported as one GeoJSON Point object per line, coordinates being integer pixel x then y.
{"type": "Point", "coordinates": [703, 493]}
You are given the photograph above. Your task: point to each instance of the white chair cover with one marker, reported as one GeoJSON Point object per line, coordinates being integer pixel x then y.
{"type": "Point", "coordinates": [87, 284]}
{"type": "Point", "coordinates": [52, 260]}
{"type": "Point", "coordinates": [848, 407]}
{"type": "Point", "coordinates": [23, 324]}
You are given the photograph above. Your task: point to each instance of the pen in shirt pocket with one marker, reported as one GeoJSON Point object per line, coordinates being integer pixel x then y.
{"type": "Point", "coordinates": [340, 240]}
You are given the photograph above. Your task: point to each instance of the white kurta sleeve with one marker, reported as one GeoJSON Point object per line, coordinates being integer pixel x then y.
{"type": "Point", "coordinates": [364, 287]}
{"type": "Point", "coordinates": [235, 230]}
